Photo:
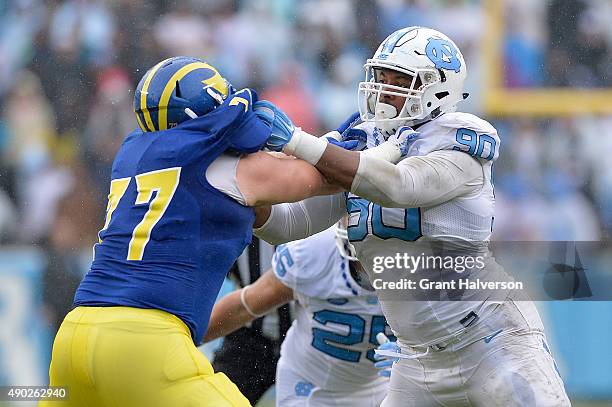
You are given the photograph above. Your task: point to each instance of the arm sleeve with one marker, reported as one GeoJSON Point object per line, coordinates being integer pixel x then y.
{"type": "Point", "coordinates": [293, 221]}
{"type": "Point", "coordinates": [417, 181]}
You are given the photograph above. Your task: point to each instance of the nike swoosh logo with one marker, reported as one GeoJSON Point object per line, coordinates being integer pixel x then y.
{"type": "Point", "coordinates": [489, 338]}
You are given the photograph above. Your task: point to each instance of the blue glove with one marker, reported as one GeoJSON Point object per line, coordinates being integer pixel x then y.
{"type": "Point", "coordinates": [348, 123]}
{"type": "Point", "coordinates": [349, 132]}
{"type": "Point", "coordinates": [281, 125]}
{"type": "Point", "coordinates": [347, 145]}
{"type": "Point", "coordinates": [386, 362]}
{"type": "Point", "coordinates": [355, 134]}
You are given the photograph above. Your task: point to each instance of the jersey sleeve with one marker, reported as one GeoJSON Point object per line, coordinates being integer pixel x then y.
{"type": "Point", "coordinates": [469, 134]}
{"type": "Point", "coordinates": [417, 181]}
{"type": "Point", "coordinates": [303, 265]}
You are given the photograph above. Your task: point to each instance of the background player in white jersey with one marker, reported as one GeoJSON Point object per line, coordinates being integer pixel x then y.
{"type": "Point", "coordinates": [327, 358]}
{"type": "Point", "coordinates": [481, 352]}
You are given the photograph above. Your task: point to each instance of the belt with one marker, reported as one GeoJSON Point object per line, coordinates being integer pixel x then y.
{"type": "Point", "coordinates": [467, 321]}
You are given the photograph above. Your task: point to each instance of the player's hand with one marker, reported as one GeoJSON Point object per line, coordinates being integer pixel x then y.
{"type": "Point", "coordinates": [281, 125]}
{"type": "Point", "coordinates": [347, 132]}
{"type": "Point", "coordinates": [402, 139]}
{"type": "Point", "coordinates": [350, 132]}
{"type": "Point", "coordinates": [352, 121]}
{"type": "Point", "coordinates": [385, 363]}
{"type": "Point", "coordinates": [358, 135]}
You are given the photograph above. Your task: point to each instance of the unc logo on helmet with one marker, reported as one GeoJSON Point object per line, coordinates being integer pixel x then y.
{"type": "Point", "coordinates": [393, 40]}
{"type": "Point", "coordinates": [173, 85]}
{"type": "Point", "coordinates": [443, 54]}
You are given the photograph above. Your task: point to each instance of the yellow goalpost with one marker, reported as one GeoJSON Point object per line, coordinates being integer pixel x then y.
{"type": "Point", "coordinates": [501, 101]}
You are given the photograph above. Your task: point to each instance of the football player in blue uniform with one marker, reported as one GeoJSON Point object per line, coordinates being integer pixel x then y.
{"type": "Point", "coordinates": [169, 239]}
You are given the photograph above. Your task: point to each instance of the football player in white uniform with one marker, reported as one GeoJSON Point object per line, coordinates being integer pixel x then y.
{"type": "Point", "coordinates": [327, 358]}
{"type": "Point", "coordinates": [482, 352]}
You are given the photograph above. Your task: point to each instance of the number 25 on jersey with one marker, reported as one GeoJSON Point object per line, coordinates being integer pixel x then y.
{"type": "Point", "coordinates": [164, 183]}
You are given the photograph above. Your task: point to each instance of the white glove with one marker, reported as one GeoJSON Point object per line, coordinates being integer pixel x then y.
{"type": "Point", "coordinates": [395, 148]}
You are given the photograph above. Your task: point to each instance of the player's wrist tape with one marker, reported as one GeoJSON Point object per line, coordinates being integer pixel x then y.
{"type": "Point", "coordinates": [244, 303]}
{"type": "Point", "coordinates": [306, 146]}
{"type": "Point", "coordinates": [387, 151]}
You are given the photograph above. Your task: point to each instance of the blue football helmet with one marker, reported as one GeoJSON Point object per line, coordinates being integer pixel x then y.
{"type": "Point", "coordinates": [173, 85]}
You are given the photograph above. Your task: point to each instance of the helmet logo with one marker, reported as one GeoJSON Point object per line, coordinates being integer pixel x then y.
{"type": "Point", "coordinates": [216, 81]}
{"type": "Point", "coordinates": [443, 54]}
{"type": "Point", "coordinates": [392, 41]}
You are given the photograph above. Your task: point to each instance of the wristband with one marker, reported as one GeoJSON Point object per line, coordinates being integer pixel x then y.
{"type": "Point", "coordinates": [305, 146]}
{"type": "Point", "coordinates": [244, 303]}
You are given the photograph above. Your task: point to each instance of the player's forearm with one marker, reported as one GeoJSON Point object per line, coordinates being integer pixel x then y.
{"type": "Point", "coordinates": [228, 315]}
{"type": "Point", "coordinates": [266, 179]}
{"type": "Point", "coordinates": [251, 302]}
{"type": "Point", "coordinates": [339, 166]}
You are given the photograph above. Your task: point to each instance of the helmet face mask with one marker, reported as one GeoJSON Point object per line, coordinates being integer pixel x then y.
{"type": "Point", "coordinates": [346, 249]}
{"type": "Point", "coordinates": [373, 95]}
{"type": "Point", "coordinates": [434, 72]}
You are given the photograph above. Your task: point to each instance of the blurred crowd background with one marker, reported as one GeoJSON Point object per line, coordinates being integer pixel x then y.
{"type": "Point", "coordinates": [68, 70]}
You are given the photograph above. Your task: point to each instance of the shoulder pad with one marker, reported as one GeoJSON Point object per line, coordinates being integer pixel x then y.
{"type": "Point", "coordinates": [466, 120]}
{"type": "Point", "coordinates": [458, 131]}
{"type": "Point", "coordinates": [303, 264]}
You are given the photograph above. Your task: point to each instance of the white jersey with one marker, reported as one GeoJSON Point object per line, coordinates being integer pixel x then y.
{"type": "Point", "coordinates": [377, 231]}
{"type": "Point", "coordinates": [332, 340]}
{"type": "Point", "coordinates": [466, 217]}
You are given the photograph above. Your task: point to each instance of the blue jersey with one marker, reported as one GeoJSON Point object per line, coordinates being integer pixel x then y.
{"type": "Point", "coordinates": [170, 238]}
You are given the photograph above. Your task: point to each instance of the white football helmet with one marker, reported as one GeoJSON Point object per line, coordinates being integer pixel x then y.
{"type": "Point", "coordinates": [437, 69]}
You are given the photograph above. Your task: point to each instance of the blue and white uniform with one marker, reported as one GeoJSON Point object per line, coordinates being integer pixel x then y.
{"type": "Point", "coordinates": [442, 190]}
{"type": "Point", "coordinates": [327, 358]}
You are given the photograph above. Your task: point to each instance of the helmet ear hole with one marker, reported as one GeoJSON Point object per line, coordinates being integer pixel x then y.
{"type": "Point", "coordinates": [178, 90]}
{"type": "Point", "coordinates": [435, 113]}
{"type": "Point", "coordinates": [441, 95]}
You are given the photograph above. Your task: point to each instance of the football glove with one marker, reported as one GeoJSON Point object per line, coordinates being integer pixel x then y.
{"type": "Point", "coordinates": [402, 138]}
{"type": "Point", "coordinates": [281, 125]}
{"type": "Point", "coordinates": [385, 363]}
{"type": "Point", "coordinates": [347, 145]}
{"type": "Point", "coordinates": [346, 132]}
{"type": "Point", "coordinates": [352, 121]}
